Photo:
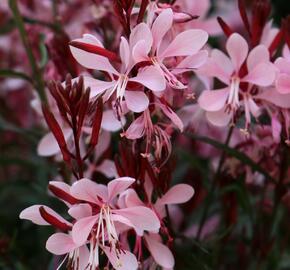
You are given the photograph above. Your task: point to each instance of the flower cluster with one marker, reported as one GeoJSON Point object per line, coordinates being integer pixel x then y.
{"type": "Point", "coordinates": [135, 95]}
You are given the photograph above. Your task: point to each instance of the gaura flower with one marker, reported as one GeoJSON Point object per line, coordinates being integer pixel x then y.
{"type": "Point", "coordinates": [101, 227]}
{"type": "Point", "coordinates": [149, 76]}
{"type": "Point", "coordinates": [151, 45]}
{"type": "Point", "coordinates": [245, 83]}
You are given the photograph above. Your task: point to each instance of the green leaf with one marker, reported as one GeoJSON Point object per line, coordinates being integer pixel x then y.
{"type": "Point", "coordinates": [235, 153]}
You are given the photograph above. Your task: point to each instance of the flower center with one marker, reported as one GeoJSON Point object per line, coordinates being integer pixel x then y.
{"type": "Point", "coordinates": [105, 233]}
{"type": "Point", "coordinates": [170, 78]}
{"type": "Point", "coordinates": [233, 99]}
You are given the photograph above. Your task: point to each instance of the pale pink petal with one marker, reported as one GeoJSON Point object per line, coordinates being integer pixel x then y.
{"type": "Point", "coordinates": [87, 190]}
{"type": "Point", "coordinates": [223, 61]}
{"type": "Point", "coordinates": [237, 48]}
{"type": "Point", "coordinates": [61, 185]}
{"type": "Point", "coordinates": [119, 185]}
{"type": "Point", "coordinates": [92, 61]}
{"type": "Point", "coordinates": [132, 198]}
{"type": "Point", "coordinates": [160, 253]}
{"type": "Point", "coordinates": [276, 128]}
{"type": "Point", "coordinates": [90, 39]}
{"type": "Point", "coordinates": [260, 54]}
{"type": "Point", "coordinates": [186, 43]}
{"type": "Point", "coordinates": [84, 255]}
{"type": "Point", "coordinates": [151, 78]}
{"type": "Point", "coordinates": [140, 51]}
{"type": "Point", "coordinates": [263, 75]}
{"type": "Point", "coordinates": [97, 86]}
{"type": "Point", "coordinates": [124, 260]}
{"type": "Point", "coordinates": [107, 168]}
{"type": "Point", "coordinates": [283, 84]}
{"type": "Point", "coordinates": [110, 122]}
{"type": "Point", "coordinates": [125, 53]}
{"type": "Point", "coordinates": [136, 129]}
{"type": "Point", "coordinates": [141, 33]}
{"type": "Point", "coordinates": [180, 193]}
{"type": "Point", "coordinates": [161, 26]}
{"type": "Point", "coordinates": [172, 116]}
{"type": "Point", "coordinates": [141, 217]}
{"type": "Point", "coordinates": [60, 244]}
{"type": "Point", "coordinates": [213, 100]}
{"type": "Point", "coordinates": [32, 213]}
{"type": "Point", "coordinates": [219, 118]}
{"type": "Point", "coordinates": [136, 101]}
{"type": "Point", "coordinates": [81, 210]}
{"type": "Point", "coordinates": [48, 145]}
{"type": "Point", "coordinates": [82, 229]}
{"type": "Point", "coordinates": [283, 65]}
{"type": "Point", "coordinates": [191, 62]}
{"type": "Point", "coordinates": [272, 96]}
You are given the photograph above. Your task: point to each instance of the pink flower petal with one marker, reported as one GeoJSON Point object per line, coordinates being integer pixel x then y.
{"type": "Point", "coordinates": [263, 75]}
{"type": "Point", "coordinates": [48, 145]}
{"type": "Point", "coordinates": [191, 62]}
{"type": "Point", "coordinates": [274, 97]}
{"type": "Point", "coordinates": [237, 48]}
{"type": "Point", "coordinates": [91, 60]}
{"type": "Point", "coordinates": [82, 229]}
{"type": "Point", "coordinates": [141, 33]}
{"type": "Point", "coordinates": [160, 253]}
{"type": "Point", "coordinates": [60, 244]}
{"type": "Point", "coordinates": [151, 78]}
{"type": "Point", "coordinates": [172, 116]}
{"type": "Point", "coordinates": [107, 168]}
{"type": "Point", "coordinates": [81, 210]}
{"type": "Point", "coordinates": [283, 65]}
{"type": "Point", "coordinates": [219, 118]}
{"type": "Point", "coordinates": [87, 190]}
{"type": "Point", "coordinates": [119, 185]}
{"type": "Point", "coordinates": [213, 100]}
{"type": "Point", "coordinates": [161, 26]}
{"type": "Point", "coordinates": [141, 217]}
{"type": "Point", "coordinates": [136, 129]}
{"type": "Point", "coordinates": [283, 84]}
{"type": "Point", "coordinates": [219, 66]}
{"type": "Point", "coordinates": [32, 213]}
{"type": "Point", "coordinates": [97, 86]}
{"type": "Point", "coordinates": [186, 43]}
{"type": "Point", "coordinates": [132, 199]}
{"type": "Point", "coordinates": [136, 101]}
{"type": "Point", "coordinates": [125, 52]}
{"type": "Point", "coordinates": [260, 54]}
{"type": "Point", "coordinates": [110, 122]}
{"type": "Point", "coordinates": [180, 193]}
{"type": "Point", "coordinates": [140, 51]}
{"type": "Point", "coordinates": [125, 260]}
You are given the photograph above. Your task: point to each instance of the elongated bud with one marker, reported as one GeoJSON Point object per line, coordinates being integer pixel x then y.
{"type": "Point", "coordinates": [94, 49]}
{"type": "Point", "coordinates": [57, 132]}
{"type": "Point", "coordinates": [53, 220]}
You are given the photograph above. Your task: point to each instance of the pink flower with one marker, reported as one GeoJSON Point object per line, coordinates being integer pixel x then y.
{"type": "Point", "coordinates": [156, 135]}
{"type": "Point", "coordinates": [151, 45]}
{"type": "Point", "coordinates": [98, 221]}
{"type": "Point", "coordinates": [177, 194]}
{"type": "Point", "coordinates": [241, 81]}
{"type": "Point", "coordinates": [148, 76]}
{"type": "Point", "coordinates": [101, 227]}
{"type": "Point", "coordinates": [283, 78]}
